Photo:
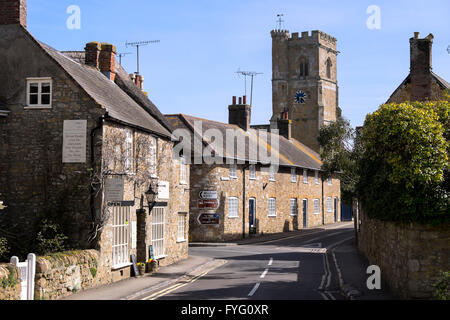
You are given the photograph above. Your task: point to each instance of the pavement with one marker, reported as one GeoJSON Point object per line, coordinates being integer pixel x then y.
{"type": "Point", "coordinates": [128, 288]}
{"type": "Point", "coordinates": [272, 237]}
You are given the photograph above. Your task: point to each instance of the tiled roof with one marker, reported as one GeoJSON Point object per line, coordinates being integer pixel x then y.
{"type": "Point", "coordinates": [290, 152]}
{"type": "Point", "coordinates": [109, 95]}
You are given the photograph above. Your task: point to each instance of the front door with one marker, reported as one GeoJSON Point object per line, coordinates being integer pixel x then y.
{"type": "Point", "coordinates": [305, 213]}
{"type": "Point", "coordinates": [335, 209]}
{"type": "Point", "coordinates": [252, 215]}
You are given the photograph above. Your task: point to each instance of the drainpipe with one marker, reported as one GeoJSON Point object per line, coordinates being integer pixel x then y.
{"type": "Point", "coordinates": [243, 200]}
{"type": "Point", "coordinates": [92, 191]}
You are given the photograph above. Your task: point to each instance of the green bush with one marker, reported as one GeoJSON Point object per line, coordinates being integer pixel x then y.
{"type": "Point", "coordinates": [443, 286]}
{"type": "Point", "coordinates": [404, 163]}
{"type": "Point", "coordinates": [49, 238]}
{"type": "Point", "coordinates": [4, 249]}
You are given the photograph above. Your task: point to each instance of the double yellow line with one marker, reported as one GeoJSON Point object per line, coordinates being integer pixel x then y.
{"type": "Point", "coordinates": [170, 289]}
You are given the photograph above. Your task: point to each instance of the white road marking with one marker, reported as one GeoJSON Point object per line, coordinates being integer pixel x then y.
{"type": "Point", "coordinates": [254, 289]}
{"type": "Point", "coordinates": [264, 273]}
{"type": "Point", "coordinates": [270, 262]}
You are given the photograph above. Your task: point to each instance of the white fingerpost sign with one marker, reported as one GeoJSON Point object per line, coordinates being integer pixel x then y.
{"type": "Point", "coordinates": [74, 141]}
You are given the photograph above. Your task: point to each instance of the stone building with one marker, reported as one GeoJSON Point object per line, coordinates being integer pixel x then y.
{"type": "Point", "coordinates": [304, 82]}
{"type": "Point", "coordinates": [80, 144]}
{"type": "Point", "coordinates": [422, 83]}
{"type": "Point", "coordinates": [247, 181]}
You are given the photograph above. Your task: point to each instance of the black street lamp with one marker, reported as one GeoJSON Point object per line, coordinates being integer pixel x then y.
{"type": "Point", "coordinates": [152, 193]}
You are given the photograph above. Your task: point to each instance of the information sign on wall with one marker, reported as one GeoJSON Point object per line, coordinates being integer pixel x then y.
{"type": "Point", "coordinates": [74, 141]}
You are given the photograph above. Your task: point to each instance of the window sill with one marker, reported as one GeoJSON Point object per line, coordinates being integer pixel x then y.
{"type": "Point", "coordinates": [294, 215]}
{"type": "Point", "coordinates": [37, 107]}
{"type": "Point", "coordinates": [233, 177]}
{"type": "Point", "coordinates": [224, 178]}
{"type": "Point", "coordinates": [317, 213]}
{"type": "Point", "coordinates": [233, 217]}
{"type": "Point", "coordinates": [181, 240]}
{"type": "Point", "coordinates": [160, 257]}
{"type": "Point", "coordinates": [183, 183]}
{"type": "Point", "coordinates": [121, 266]}
{"type": "Point", "coordinates": [272, 180]}
{"type": "Point", "coordinates": [272, 216]}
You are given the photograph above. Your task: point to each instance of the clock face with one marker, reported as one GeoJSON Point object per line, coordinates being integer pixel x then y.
{"type": "Point", "coordinates": [300, 97]}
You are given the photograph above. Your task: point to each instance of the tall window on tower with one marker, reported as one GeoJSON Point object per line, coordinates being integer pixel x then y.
{"type": "Point", "coordinates": [304, 67]}
{"type": "Point", "coordinates": [329, 64]}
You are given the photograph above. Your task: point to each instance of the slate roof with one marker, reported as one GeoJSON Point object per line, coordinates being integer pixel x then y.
{"type": "Point", "coordinates": [291, 153]}
{"type": "Point", "coordinates": [119, 105]}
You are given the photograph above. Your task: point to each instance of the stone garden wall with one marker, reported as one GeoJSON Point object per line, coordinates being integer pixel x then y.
{"type": "Point", "coordinates": [62, 274]}
{"type": "Point", "coordinates": [9, 282]}
{"type": "Point", "coordinates": [410, 257]}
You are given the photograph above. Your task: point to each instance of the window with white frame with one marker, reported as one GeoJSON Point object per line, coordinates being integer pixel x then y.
{"type": "Point", "coordinates": [316, 206]}
{"type": "Point", "coordinates": [183, 170]}
{"type": "Point", "coordinates": [39, 92]}
{"type": "Point", "coordinates": [129, 150]}
{"type": "Point", "coordinates": [293, 208]}
{"type": "Point", "coordinates": [272, 207]}
{"type": "Point", "coordinates": [329, 204]}
{"type": "Point", "coordinates": [157, 235]}
{"type": "Point", "coordinates": [233, 207]}
{"type": "Point", "coordinates": [330, 181]}
{"type": "Point", "coordinates": [293, 175]}
{"type": "Point", "coordinates": [305, 176]}
{"type": "Point", "coordinates": [272, 173]}
{"type": "Point", "coordinates": [181, 227]}
{"type": "Point", "coordinates": [316, 177]}
{"type": "Point", "coordinates": [121, 236]}
{"type": "Point", "coordinates": [233, 170]}
{"type": "Point", "coordinates": [252, 172]}
{"type": "Point", "coordinates": [151, 157]}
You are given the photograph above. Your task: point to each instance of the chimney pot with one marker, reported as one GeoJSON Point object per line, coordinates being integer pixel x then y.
{"type": "Point", "coordinates": [244, 98]}
{"type": "Point", "coordinates": [416, 35]}
{"type": "Point", "coordinates": [234, 101]}
{"type": "Point", "coordinates": [240, 100]}
{"type": "Point", "coordinates": [239, 114]}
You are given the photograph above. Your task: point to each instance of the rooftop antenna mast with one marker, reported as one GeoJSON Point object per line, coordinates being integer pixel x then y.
{"type": "Point", "coordinates": [120, 55]}
{"type": "Point", "coordinates": [280, 20]}
{"type": "Point", "coordinates": [251, 74]}
{"type": "Point", "coordinates": [137, 45]}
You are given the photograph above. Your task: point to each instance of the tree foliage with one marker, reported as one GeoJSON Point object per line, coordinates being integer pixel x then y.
{"type": "Point", "coordinates": [338, 155]}
{"type": "Point", "coordinates": [404, 164]}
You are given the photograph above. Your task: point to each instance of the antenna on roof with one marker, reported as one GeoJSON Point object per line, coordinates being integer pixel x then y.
{"type": "Point", "coordinates": [448, 49]}
{"type": "Point", "coordinates": [120, 55]}
{"type": "Point", "coordinates": [137, 45]}
{"type": "Point", "coordinates": [251, 74]}
{"type": "Point", "coordinates": [280, 20]}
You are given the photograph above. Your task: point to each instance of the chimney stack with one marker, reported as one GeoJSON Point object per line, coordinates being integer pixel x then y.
{"type": "Point", "coordinates": [13, 12]}
{"type": "Point", "coordinates": [107, 60]}
{"type": "Point", "coordinates": [421, 66]}
{"type": "Point", "coordinates": [138, 80]}
{"type": "Point", "coordinates": [284, 125]}
{"type": "Point", "coordinates": [92, 54]}
{"type": "Point", "coordinates": [240, 114]}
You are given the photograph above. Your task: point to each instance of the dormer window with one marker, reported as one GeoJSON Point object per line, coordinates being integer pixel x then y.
{"type": "Point", "coordinates": [39, 93]}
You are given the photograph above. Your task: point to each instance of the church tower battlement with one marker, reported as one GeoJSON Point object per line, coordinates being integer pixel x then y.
{"type": "Point", "coordinates": [304, 82]}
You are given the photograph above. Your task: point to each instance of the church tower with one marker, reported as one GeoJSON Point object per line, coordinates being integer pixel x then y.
{"type": "Point", "coordinates": [304, 82]}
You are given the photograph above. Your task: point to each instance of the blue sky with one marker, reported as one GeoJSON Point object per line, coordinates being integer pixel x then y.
{"type": "Point", "coordinates": [204, 42]}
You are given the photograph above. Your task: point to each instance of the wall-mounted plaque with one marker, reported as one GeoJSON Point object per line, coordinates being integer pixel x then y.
{"type": "Point", "coordinates": [114, 189]}
{"type": "Point", "coordinates": [209, 218]}
{"type": "Point", "coordinates": [163, 190]}
{"type": "Point", "coordinates": [74, 141]}
{"type": "Point", "coordinates": [208, 195]}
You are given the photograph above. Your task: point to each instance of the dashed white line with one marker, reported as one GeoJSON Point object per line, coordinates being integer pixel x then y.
{"type": "Point", "coordinates": [270, 262]}
{"type": "Point", "coordinates": [254, 289]}
{"type": "Point", "coordinates": [264, 273]}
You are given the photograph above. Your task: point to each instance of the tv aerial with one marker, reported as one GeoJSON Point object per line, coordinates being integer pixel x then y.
{"type": "Point", "coordinates": [120, 55]}
{"type": "Point", "coordinates": [137, 45]}
{"type": "Point", "coordinates": [448, 49]}
{"type": "Point", "coordinates": [246, 74]}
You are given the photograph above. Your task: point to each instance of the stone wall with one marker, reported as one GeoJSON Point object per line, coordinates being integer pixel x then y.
{"type": "Point", "coordinates": [9, 282]}
{"type": "Point", "coordinates": [217, 178]}
{"type": "Point", "coordinates": [62, 274]}
{"type": "Point", "coordinates": [410, 257]}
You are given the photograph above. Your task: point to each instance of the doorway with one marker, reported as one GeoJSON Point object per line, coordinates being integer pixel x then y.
{"type": "Point", "coordinates": [252, 215]}
{"type": "Point", "coordinates": [335, 209]}
{"type": "Point", "coordinates": [305, 213]}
